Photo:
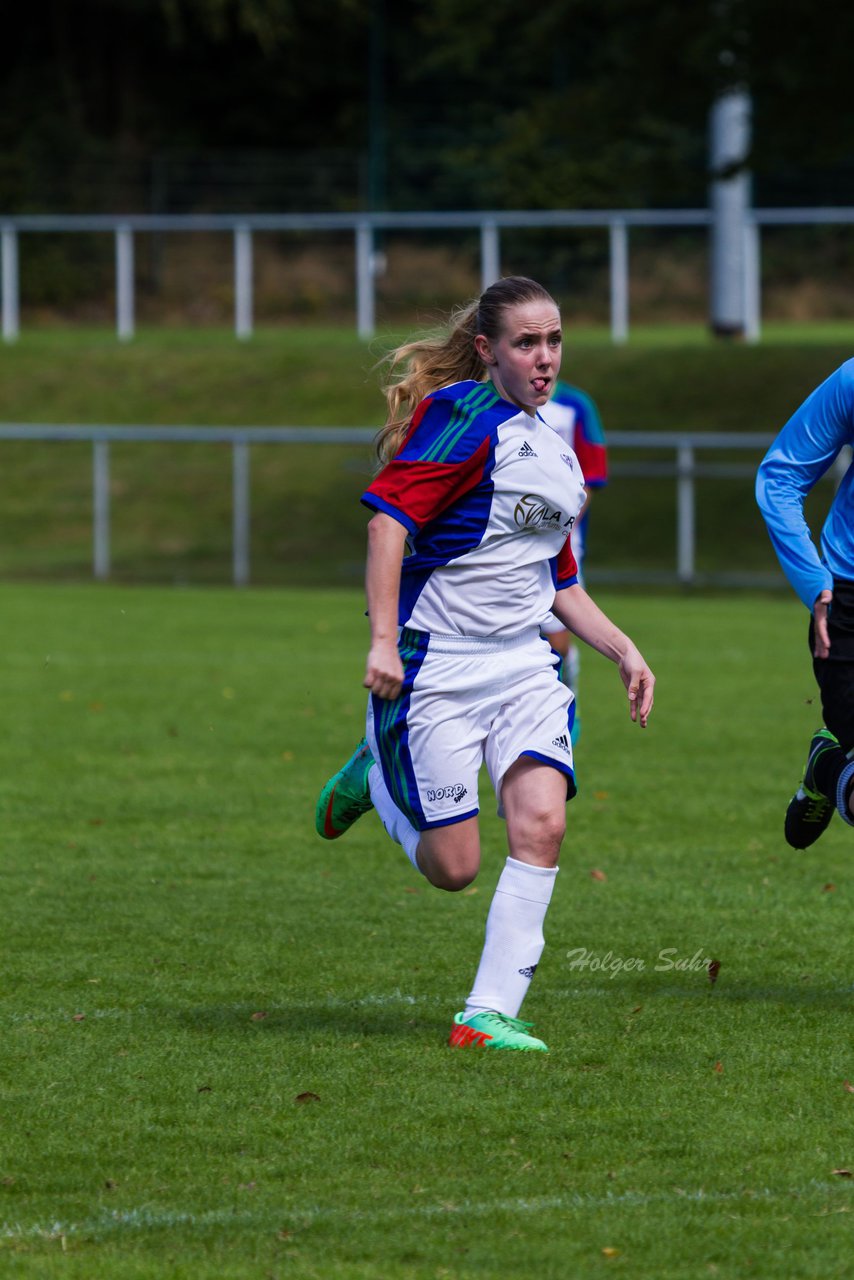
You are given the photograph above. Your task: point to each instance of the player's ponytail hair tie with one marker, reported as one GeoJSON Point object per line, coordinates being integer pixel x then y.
{"type": "Point", "coordinates": [421, 366]}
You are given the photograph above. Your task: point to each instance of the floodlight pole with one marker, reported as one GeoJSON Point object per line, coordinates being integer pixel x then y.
{"type": "Point", "coordinates": [729, 200]}
{"type": "Point", "coordinates": [9, 268]}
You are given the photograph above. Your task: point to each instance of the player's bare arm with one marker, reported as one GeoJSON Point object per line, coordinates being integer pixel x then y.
{"type": "Point", "coordinates": [821, 648]}
{"type": "Point", "coordinates": [581, 615]}
{"type": "Point", "coordinates": [386, 542]}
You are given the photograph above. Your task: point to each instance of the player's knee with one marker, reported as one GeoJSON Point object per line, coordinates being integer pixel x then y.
{"type": "Point", "coordinates": [542, 835]}
{"type": "Point", "coordinates": [451, 879]}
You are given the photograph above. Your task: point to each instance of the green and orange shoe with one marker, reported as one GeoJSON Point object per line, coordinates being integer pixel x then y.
{"type": "Point", "coordinates": [346, 795]}
{"type": "Point", "coordinates": [490, 1030]}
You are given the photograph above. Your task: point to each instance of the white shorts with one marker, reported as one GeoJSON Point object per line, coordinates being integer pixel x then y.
{"type": "Point", "coordinates": [465, 701]}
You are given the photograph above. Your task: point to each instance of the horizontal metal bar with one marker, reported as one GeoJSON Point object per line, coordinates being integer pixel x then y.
{"type": "Point", "coordinates": [188, 435]}
{"type": "Point", "coordinates": [345, 435]}
{"type": "Point", "coordinates": [413, 219]}
{"type": "Point", "coordinates": [407, 220]}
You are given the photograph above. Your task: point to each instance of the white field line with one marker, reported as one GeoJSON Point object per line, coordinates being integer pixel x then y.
{"type": "Point", "coordinates": [144, 1219]}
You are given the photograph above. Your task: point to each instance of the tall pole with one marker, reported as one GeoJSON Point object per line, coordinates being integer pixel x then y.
{"type": "Point", "coordinates": [730, 189]}
{"type": "Point", "coordinates": [730, 200]}
{"type": "Point", "coordinates": [376, 109]}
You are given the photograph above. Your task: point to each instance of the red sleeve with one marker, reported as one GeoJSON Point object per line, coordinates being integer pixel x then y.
{"type": "Point", "coordinates": [417, 485]}
{"type": "Point", "coordinates": [567, 567]}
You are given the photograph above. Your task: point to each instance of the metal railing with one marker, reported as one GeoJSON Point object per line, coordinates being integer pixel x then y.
{"type": "Point", "coordinates": [364, 229]}
{"type": "Point", "coordinates": [684, 467]}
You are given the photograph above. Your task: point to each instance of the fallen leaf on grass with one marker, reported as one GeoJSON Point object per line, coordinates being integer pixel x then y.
{"type": "Point", "coordinates": [596, 874]}
{"type": "Point", "coordinates": [829, 888]}
{"type": "Point", "coordinates": [609, 1252]}
{"type": "Point", "coordinates": [467, 893]}
{"type": "Point", "coordinates": [205, 1088]}
{"type": "Point", "coordinates": [719, 1067]}
{"type": "Point", "coordinates": [713, 971]}
{"type": "Point", "coordinates": [79, 1017]}
{"type": "Point", "coordinates": [841, 1173]}
{"type": "Point", "coordinates": [259, 1016]}
{"type": "Point", "coordinates": [848, 1086]}
{"type": "Point", "coordinates": [308, 1096]}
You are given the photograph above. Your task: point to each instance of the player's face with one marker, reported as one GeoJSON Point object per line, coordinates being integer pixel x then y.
{"type": "Point", "coordinates": [524, 361]}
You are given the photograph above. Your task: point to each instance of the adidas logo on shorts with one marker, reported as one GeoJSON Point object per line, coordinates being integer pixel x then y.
{"type": "Point", "coordinates": [526, 451]}
{"type": "Point", "coordinates": [562, 742]}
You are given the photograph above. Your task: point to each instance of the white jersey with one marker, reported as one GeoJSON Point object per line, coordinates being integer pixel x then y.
{"type": "Point", "coordinates": [489, 496]}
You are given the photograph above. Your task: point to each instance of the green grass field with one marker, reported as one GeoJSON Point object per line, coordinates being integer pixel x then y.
{"type": "Point", "coordinates": [223, 1047]}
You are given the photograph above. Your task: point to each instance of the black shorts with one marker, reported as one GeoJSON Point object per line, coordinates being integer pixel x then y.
{"type": "Point", "coordinates": [835, 673]}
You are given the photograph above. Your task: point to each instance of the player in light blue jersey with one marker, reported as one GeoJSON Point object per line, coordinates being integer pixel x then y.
{"type": "Point", "coordinates": [807, 446]}
{"type": "Point", "coordinates": [468, 549]}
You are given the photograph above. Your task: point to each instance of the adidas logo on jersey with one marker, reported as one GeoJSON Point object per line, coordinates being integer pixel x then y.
{"type": "Point", "coordinates": [526, 451]}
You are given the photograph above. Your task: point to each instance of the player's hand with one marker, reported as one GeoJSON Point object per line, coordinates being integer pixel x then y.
{"type": "Point", "coordinates": [639, 682]}
{"type": "Point", "coordinates": [384, 670]}
{"type": "Point", "coordinates": [821, 649]}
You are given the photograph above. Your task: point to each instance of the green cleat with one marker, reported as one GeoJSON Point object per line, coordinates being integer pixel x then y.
{"type": "Point", "coordinates": [492, 1030]}
{"type": "Point", "coordinates": [346, 795]}
{"type": "Point", "coordinates": [809, 810]}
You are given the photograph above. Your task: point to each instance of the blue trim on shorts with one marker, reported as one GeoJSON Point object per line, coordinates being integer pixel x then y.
{"type": "Point", "coordinates": [391, 729]}
{"type": "Point", "coordinates": [569, 774]}
{"type": "Point", "coordinates": [450, 822]}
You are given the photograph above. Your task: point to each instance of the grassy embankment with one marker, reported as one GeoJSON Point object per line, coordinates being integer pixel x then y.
{"type": "Point", "coordinates": [171, 504]}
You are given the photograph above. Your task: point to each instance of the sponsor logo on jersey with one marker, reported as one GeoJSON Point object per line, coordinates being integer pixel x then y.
{"type": "Point", "coordinates": [561, 742]}
{"type": "Point", "coordinates": [526, 451]}
{"type": "Point", "coordinates": [454, 792]}
{"type": "Point", "coordinates": [565, 457]}
{"type": "Point", "coordinates": [532, 510]}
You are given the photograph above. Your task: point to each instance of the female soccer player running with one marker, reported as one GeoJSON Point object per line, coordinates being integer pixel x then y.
{"type": "Point", "coordinates": [485, 495]}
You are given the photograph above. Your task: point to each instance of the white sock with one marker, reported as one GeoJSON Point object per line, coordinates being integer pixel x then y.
{"type": "Point", "coordinates": [514, 938]}
{"type": "Point", "coordinates": [572, 668]}
{"type": "Point", "coordinates": [395, 822]}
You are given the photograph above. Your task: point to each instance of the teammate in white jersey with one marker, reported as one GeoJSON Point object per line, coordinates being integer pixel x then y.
{"type": "Point", "coordinates": [574, 416]}
{"type": "Point", "coordinates": [483, 495]}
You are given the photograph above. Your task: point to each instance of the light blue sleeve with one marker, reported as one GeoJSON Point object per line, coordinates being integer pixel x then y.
{"type": "Point", "coordinates": [805, 448]}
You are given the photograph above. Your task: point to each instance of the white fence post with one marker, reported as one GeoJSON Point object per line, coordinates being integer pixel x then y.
{"type": "Point", "coordinates": [124, 283]}
{"type": "Point", "coordinates": [685, 514]}
{"type": "Point", "coordinates": [11, 307]}
{"type": "Point", "coordinates": [752, 281]}
{"type": "Point", "coordinates": [619, 244]}
{"type": "Point", "coordinates": [365, 280]}
{"type": "Point", "coordinates": [730, 132]}
{"type": "Point", "coordinates": [101, 508]}
{"type": "Point", "coordinates": [243, 301]}
{"type": "Point", "coordinates": [490, 255]}
{"type": "Point", "coordinates": [240, 512]}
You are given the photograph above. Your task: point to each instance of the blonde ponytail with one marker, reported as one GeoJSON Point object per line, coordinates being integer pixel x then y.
{"type": "Point", "coordinates": [418, 367]}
